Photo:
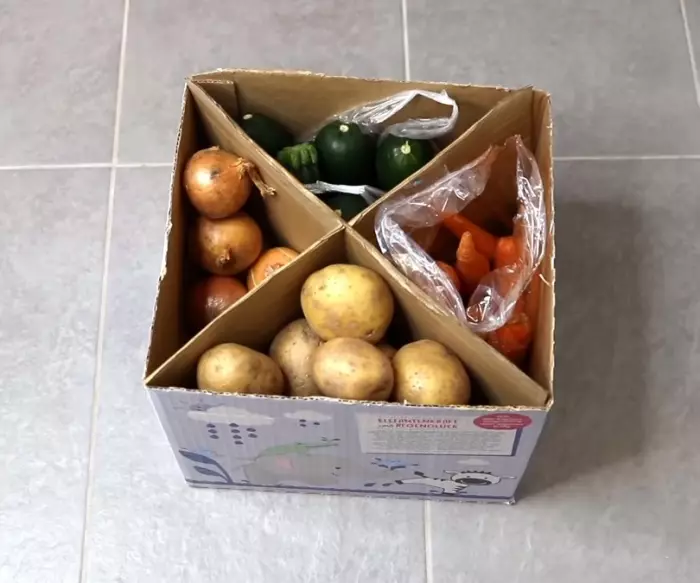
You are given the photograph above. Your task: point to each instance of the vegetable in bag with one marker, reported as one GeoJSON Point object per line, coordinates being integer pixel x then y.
{"type": "Point", "coordinates": [498, 295]}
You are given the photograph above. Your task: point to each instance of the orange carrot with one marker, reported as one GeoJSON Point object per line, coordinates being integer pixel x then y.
{"type": "Point", "coordinates": [471, 265]}
{"type": "Point", "coordinates": [508, 260]}
{"type": "Point", "coordinates": [513, 340]}
{"type": "Point", "coordinates": [507, 252]}
{"type": "Point", "coordinates": [451, 273]}
{"type": "Point", "coordinates": [484, 241]}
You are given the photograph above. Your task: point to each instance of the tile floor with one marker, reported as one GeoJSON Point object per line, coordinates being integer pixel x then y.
{"type": "Point", "coordinates": [89, 490]}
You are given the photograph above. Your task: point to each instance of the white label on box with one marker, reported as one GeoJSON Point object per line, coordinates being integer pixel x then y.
{"type": "Point", "coordinates": [432, 435]}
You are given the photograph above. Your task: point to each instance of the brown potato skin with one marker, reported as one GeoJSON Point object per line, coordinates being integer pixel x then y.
{"type": "Point", "coordinates": [349, 368]}
{"type": "Point", "coordinates": [233, 368]}
{"type": "Point", "coordinates": [226, 246]}
{"type": "Point", "coordinates": [427, 373]}
{"type": "Point", "coordinates": [388, 350]}
{"type": "Point", "coordinates": [347, 301]}
{"type": "Point", "coordinates": [293, 350]}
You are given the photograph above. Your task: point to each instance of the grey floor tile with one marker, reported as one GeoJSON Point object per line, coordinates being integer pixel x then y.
{"type": "Point", "coordinates": [612, 493]}
{"type": "Point", "coordinates": [59, 64]}
{"type": "Point", "coordinates": [169, 40]}
{"type": "Point", "coordinates": [51, 232]}
{"type": "Point", "coordinates": [146, 525]}
{"type": "Point", "coordinates": [620, 75]}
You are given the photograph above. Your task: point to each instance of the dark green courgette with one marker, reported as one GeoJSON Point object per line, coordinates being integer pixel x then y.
{"type": "Point", "coordinates": [302, 161]}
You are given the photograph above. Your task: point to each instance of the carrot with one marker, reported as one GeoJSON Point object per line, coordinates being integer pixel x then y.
{"type": "Point", "coordinates": [507, 266]}
{"type": "Point", "coordinates": [471, 265]}
{"type": "Point", "coordinates": [451, 273]}
{"type": "Point", "coordinates": [507, 252]}
{"type": "Point", "coordinates": [484, 241]}
{"type": "Point", "coordinates": [513, 340]}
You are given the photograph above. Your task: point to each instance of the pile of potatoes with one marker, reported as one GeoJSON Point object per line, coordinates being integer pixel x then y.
{"type": "Point", "coordinates": [336, 350]}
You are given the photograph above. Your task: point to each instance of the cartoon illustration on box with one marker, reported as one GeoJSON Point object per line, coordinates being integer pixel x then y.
{"type": "Point", "coordinates": [456, 481]}
{"type": "Point", "coordinates": [297, 463]}
{"type": "Point", "coordinates": [207, 466]}
{"type": "Point", "coordinates": [276, 465]}
{"type": "Point", "coordinates": [307, 449]}
{"type": "Point", "coordinates": [292, 464]}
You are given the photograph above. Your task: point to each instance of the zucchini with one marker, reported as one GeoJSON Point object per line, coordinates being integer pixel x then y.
{"type": "Point", "coordinates": [398, 158]}
{"type": "Point", "coordinates": [345, 154]}
{"type": "Point", "coordinates": [301, 161]}
{"type": "Point", "coordinates": [269, 134]}
{"type": "Point", "coordinates": [345, 205]}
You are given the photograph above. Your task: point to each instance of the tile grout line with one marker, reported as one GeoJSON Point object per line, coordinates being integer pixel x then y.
{"type": "Point", "coordinates": [86, 166]}
{"type": "Point", "coordinates": [427, 522]}
{"type": "Point", "coordinates": [103, 299]}
{"type": "Point", "coordinates": [428, 538]}
{"type": "Point", "coordinates": [627, 158]}
{"type": "Point", "coordinates": [691, 52]}
{"type": "Point", "coordinates": [143, 164]}
{"type": "Point", "coordinates": [404, 35]}
{"type": "Point", "coordinates": [132, 165]}
{"type": "Point", "coordinates": [78, 166]}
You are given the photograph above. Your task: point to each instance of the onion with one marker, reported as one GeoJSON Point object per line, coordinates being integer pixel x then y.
{"type": "Point", "coordinates": [269, 262]}
{"type": "Point", "coordinates": [226, 246]}
{"type": "Point", "coordinates": [210, 297]}
{"type": "Point", "coordinates": [218, 183]}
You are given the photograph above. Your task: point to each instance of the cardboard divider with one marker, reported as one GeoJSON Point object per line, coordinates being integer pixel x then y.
{"type": "Point", "coordinates": [224, 93]}
{"type": "Point", "coordinates": [256, 319]}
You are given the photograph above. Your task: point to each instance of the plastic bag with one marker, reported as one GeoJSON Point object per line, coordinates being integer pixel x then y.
{"type": "Point", "coordinates": [368, 193]}
{"type": "Point", "coordinates": [492, 303]}
{"type": "Point", "coordinates": [370, 118]}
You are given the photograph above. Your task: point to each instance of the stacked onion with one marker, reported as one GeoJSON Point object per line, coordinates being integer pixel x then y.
{"type": "Point", "coordinates": [224, 240]}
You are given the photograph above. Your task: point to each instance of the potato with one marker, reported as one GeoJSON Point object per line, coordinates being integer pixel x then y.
{"type": "Point", "coordinates": [232, 368]}
{"type": "Point", "coordinates": [293, 349]}
{"type": "Point", "coordinates": [387, 349]}
{"type": "Point", "coordinates": [347, 301]}
{"type": "Point", "coordinates": [349, 368]}
{"type": "Point", "coordinates": [427, 373]}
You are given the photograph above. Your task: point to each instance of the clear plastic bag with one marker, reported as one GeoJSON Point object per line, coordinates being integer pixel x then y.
{"type": "Point", "coordinates": [368, 193]}
{"type": "Point", "coordinates": [371, 117]}
{"type": "Point", "coordinates": [491, 304]}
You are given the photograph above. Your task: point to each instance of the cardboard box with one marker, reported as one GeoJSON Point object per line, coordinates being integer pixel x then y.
{"type": "Point", "coordinates": [316, 444]}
